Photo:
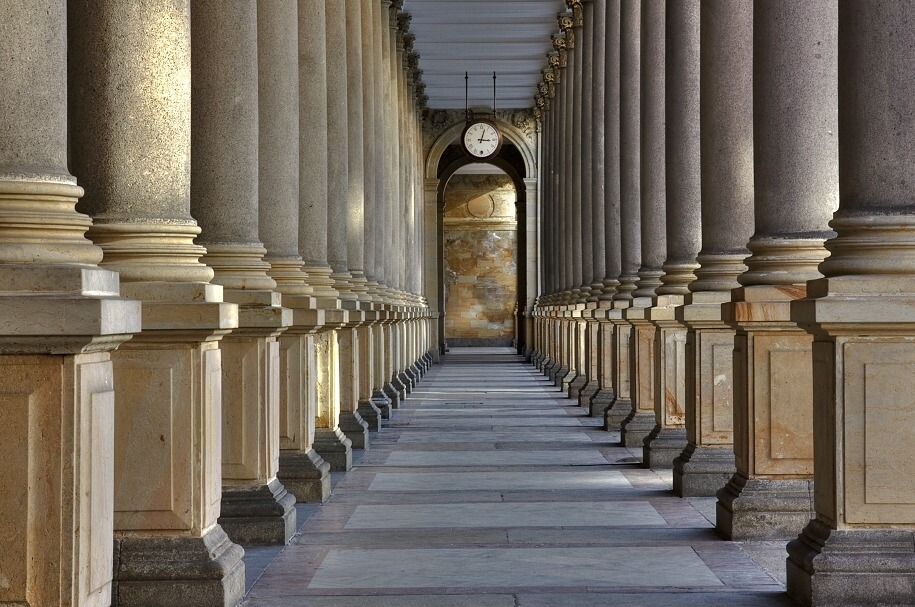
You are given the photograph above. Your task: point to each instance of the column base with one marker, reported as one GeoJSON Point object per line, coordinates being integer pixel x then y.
{"type": "Point", "coordinates": [616, 413]}
{"type": "Point", "coordinates": [763, 509]}
{"type": "Point", "coordinates": [587, 393]}
{"type": "Point", "coordinates": [383, 403]}
{"type": "Point", "coordinates": [371, 414]}
{"type": "Point", "coordinates": [702, 471]}
{"type": "Point", "coordinates": [305, 474]}
{"type": "Point", "coordinates": [394, 394]}
{"type": "Point", "coordinates": [853, 567]}
{"type": "Point", "coordinates": [557, 373]}
{"type": "Point", "coordinates": [399, 386]}
{"type": "Point", "coordinates": [636, 428]}
{"type": "Point", "coordinates": [551, 368]}
{"type": "Point", "coordinates": [600, 402]}
{"type": "Point", "coordinates": [355, 429]}
{"type": "Point", "coordinates": [203, 571]}
{"type": "Point", "coordinates": [263, 515]}
{"type": "Point", "coordinates": [566, 380]}
{"type": "Point", "coordinates": [543, 363]}
{"type": "Point", "coordinates": [406, 381]}
{"type": "Point", "coordinates": [662, 446]}
{"type": "Point", "coordinates": [576, 386]}
{"type": "Point", "coordinates": [334, 448]}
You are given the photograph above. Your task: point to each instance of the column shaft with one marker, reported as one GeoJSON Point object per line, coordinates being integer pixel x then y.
{"type": "Point", "coordinates": [726, 142]}
{"type": "Point", "coordinates": [256, 507]}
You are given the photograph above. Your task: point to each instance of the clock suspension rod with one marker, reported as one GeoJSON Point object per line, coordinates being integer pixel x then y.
{"type": "Point", "coordinates": [466, 95]}
{"type": "Point", "coordinates": [493, 94]}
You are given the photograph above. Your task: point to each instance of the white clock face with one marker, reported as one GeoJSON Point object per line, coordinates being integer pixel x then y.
{"type": "Point", "coordinates": [481, 140]}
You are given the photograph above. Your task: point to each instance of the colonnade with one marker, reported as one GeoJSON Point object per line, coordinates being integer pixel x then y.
{"type": "Point", "coordinates": [717, 290]}
{"type": "Point", "coordinates": [207, 224]}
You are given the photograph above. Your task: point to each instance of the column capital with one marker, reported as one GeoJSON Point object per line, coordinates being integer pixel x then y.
{"type": "Point", "coordinates": [566, 22]}
{"type": "Point", "coordinates": [577, 8]}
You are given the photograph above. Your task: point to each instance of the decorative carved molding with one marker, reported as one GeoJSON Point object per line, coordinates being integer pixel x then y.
{"type": "Point", "coordinates": [578, 12]}
{"type": "Point", "coordinates": [404, 20]}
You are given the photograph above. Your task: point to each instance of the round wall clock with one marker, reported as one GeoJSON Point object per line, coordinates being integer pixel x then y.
{"type": "Point", "coordinates": [481, 139]}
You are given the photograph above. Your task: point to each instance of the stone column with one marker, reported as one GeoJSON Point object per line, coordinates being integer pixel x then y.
{"type": "Point", "coordinates": [361, 185]}
{"type": "Point", "coordinates": [586, 127]}
{"type": "Point", "coordinates": [394, 122]}
{"type": "Point", "coordinates": [580, 290]}
{"type": "Point", "coordinates": [302, 471]}
{"type": "Point", "coordinates": [62, 315]}
{"type": "Point", "coordinates": [336, 109]}
{"type": "Point", "coordinates": [352, 423]}
{"type": "Point", "coordinates": [256, 508]}
{"type": "Point", "coordinates": [684, 230]}
{"type": "Point", "coordinates": [630, 194]}
{"type": "Point", "coordinates": [380, 27]}
{"type": "Point", "coordinates": [575, 186]}
{"type": "Point", "coordinates": [797, 188]}
{"type": "Point", "coordinates": [569, 220]}
{"type": "Point", "coordinates": [859, 549]}
{"type": "Point", "coordinates": [726, 134]}
{"type": "Point", "coordinates": [313, 162]}
{"type": "Point", "coordinates": [592, 191]}
{"type": "Point", "coordinates": [369, 99]}
{"type": "Point", "coordinates": [356, 122]}
{"type": "Point", "coordinates": [606, 194]}
{"type": "Point", "coordinates": [131, 146]}
{"type": "Point", "coordinates": [563, 133]}
{"type": "Point", "coordinates": [645, 352]}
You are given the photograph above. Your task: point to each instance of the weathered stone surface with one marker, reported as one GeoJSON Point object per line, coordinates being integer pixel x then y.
{"type": "Point", "coordinates": [851, 567]}
{"type": "Point", "coordinates": [258, 515]}
{"type": "Point", "coordinates": [305, 475]}
{"type": "Point", "coordinates": [155, 571]}
{"type": "Point", "coordinates": [702, 471]}
{"type": "Point", "coordinates": [662, 446]}
{"type": "Point", "coordinates": [335, 448]}
{"type": "Point", "coordinates": [762, 509]}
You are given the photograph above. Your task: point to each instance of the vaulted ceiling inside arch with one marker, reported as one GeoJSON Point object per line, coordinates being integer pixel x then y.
{"type": "Point", "coordinates": [510, 37]}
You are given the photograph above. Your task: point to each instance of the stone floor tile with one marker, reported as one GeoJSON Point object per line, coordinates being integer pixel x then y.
{"type": "Point", "coordinates": [521, 568]}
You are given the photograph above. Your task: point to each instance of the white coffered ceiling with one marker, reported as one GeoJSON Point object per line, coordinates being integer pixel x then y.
{"type": "Point", "coordinates": [510, 37]}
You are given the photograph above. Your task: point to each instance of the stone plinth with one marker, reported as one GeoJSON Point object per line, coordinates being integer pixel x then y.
{"type": "Point", "coordinates": [621, 406]}
{"type": "Point", "coordinates": [708, 460]}
{"type": "Point", "coordinates": [640, 421]}
{"type": "Point", "coordinates": [668, 438]}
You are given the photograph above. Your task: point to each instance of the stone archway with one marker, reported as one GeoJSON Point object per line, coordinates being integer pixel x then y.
{"type": "Point", "coordinates": [443, 130]}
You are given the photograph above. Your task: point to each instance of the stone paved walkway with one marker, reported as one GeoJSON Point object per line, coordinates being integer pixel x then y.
{"type": "Point", "coordinates": [489, 489]}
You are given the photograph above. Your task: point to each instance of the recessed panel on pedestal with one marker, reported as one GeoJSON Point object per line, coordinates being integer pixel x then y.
{"type": "Point", "coordinates": [783, 403]}
{"type": "Point", "coordinates": [879, 402]}
{"type": "Point", "coordinates": [674, 381]}
{"type": "Point", "coordinates": [717, 386]}
{"type": "Point", "coordinates": [244, 364]}
{"type": "Point", "coordinates": [154, 416]}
